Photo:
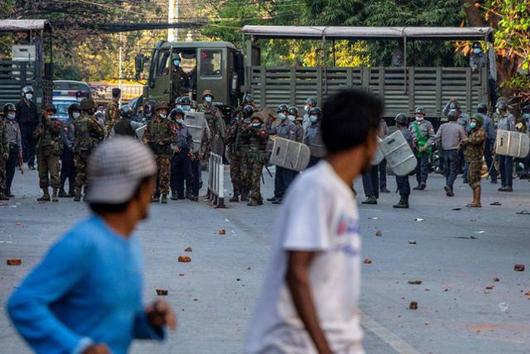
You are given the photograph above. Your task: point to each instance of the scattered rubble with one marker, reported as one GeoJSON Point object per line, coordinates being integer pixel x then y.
{"type": "Point", "coordinates": [415, 282]}
{"type": "Point", "coordinates": [523, 212]}
{"type": "Point", "coordinates": [187, 249]}
{"type": "Point", "coordinates": [495, 204]}
{"type": "Point", "coordinates": [419, 219]}
{"type": "Point", "coordinates": [184, 259]}
{"type": "Point", "coordinates": [413, 305]}
{"type": "Point", "coordinates": [490, 287]}
{"type": "Point", "coordinates": [379, 233]}
{"type": "Point", "coordinates": [412, 242]}
{"type": "Point", "coordinates": [367, 261]}
{"type": "Point", "coordinates": [222, 232]}
{"type": "Point", "coordinates": [496, 279]}
{"type": "Point", "coordinates": [14, 262]}
{"type": "Point", "coordinates": [519, 267]}
{"type": "Point", "coordinates": [161, 292]}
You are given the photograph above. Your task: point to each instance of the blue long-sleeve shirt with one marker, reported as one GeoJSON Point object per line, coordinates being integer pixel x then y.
{"type": "Point", "coordinates": [88, 288]}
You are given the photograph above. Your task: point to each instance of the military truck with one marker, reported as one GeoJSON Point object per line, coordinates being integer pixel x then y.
{"type": "Point", "coordinates": [217, 66]}
{"type": "Point", "coordinates": [29, 62]}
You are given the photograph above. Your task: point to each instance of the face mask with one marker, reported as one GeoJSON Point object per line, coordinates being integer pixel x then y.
{"type": "Point", "coordinates": [185, 108]}
{"type": "Point", "coordinates": [76, 115]}
{"type": "Point", "coordinates": [291, 118]}
{"type": "Point", "coordinates": [419, 118]}
{"type": "Point", "coordinates": [282, 116]}
{"type": "Point", "coordinates": [313, 119]}
{"type": "Point", "coordinates": [163, 115]}
{"type": "Point", "coordinates": [208, 99]}
{"type": "Point", "coordinates": [29, 96]}
{"type": "Point", "coordinates": [176, 63]}
{"type": "Point", "coordinates": [472, 125]}
{"type": "Point", "coordinates": [180, 121]}
{"type": "Point", "coordinates": [526, 116]}
{"type": "Point", "coordinates": [306, 108]}
{"type": "Point", "coordinates": [477, 50]}
{"type": "Point", "coordinates": [11, 115]}
{"type": "Point", "coordinates": [256, 125]}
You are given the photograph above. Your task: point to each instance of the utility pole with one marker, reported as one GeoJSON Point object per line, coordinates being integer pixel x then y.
{"type": "Point", "coordinates": [173, 17]}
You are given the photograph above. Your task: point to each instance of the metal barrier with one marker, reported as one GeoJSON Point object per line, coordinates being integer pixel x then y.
{"type": "Point", "coordinates": [216, 180]}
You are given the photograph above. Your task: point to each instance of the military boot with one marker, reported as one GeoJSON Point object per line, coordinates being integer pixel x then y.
{"type": "Point", "coordinates": [3, 196]}
{"type": "Point", "coordinates": [164, 199]}
{"type": "Point", "coordinates": [45, 196]}
{"type": "Point", "coordinates": [235, 198]}
{"type": "Point", "coordinates": [62, 193]}
{"type": "Point", "coordinates": [174, 196]}
{"type": "Point", "coordinates": [155, 198]}
{"type": "Point", "coordinates": [244, 196]}
{"type": "Point", "coordinates": [403, 202]}
{"type": "Point", "coordinates": [55, 195]}
{"type": "Point", "coordinates": [253, 202]}
{"type": "Point", "coordinates": [370, 201]}
{"type": "Point", "coordinates": [77, 195]}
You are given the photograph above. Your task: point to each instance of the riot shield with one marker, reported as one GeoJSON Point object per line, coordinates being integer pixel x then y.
{"type": "Point", "coordinates": [196, 123]}
{"type": "Point", "coordinates": [513, 144]}
{"type": "Point", "coordinates": [398, 154]}
{"type": "Point", "coordinates": [290, 154]}
{"type": "Point", "coordinates": [140, 132]}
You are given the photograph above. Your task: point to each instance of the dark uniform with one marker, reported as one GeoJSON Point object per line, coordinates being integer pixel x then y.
{"type": "Point", "coordinates": [49, 149]}
{"type": "Point", "coordinates": [67, 158]}
{"type": "Point", "coordinates": [88, 133]}
{"type": "Point", "coordinates": [4, 155]}
{"type": "Point", "coordinates": [159, 135]}
{"type": "Point", "coordinates": [14, 140]}
{"type": "Point", "coordinates": [181, 161]}
{"type": "Point", "coordinates": [403, 181]}
{"type": "Point", "coordinates": [255, 159]}
{"type": "Point", "coordinates": [284, 176]}
{"type": "Point", "coordinates": [28, 119]}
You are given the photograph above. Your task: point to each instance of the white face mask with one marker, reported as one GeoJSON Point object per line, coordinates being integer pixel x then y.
{"type": "Point", "coordinates": [163, 115]}
{"type": "Point", "coordinates": [256, 125]}
{"type": "Point", "coordinates": [76, 115]}
{"type": "Point", "coordinates": [11, 115]}
{"type": "Point", "coordinates": [313, 119]}
{"type": "Point", "coordinates": [291, 118]}
{"type": "Point", "coordinates": [208, 99]}
{"type": "Point", "coordinates": [282, 116]}
{"type": "Point", "coordinates": [180, 121]}
{"type": "Point", "coordinates": [419, 118]}
{"type": "Point", "coordinates": [306, 108]}
{"type": "Point", "coordinates": [29, 96]}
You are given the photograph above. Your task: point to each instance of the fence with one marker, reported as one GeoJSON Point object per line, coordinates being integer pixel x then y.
{"type": "Point", "coordinates": [216, 177]}
{"type": "Point", "coordinates": [430, 87]}
{"type": "Point", "coordinates": [13, 76]}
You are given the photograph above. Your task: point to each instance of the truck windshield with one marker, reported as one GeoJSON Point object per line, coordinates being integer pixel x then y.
{"type": "Point", "coordinates": [211, 62]}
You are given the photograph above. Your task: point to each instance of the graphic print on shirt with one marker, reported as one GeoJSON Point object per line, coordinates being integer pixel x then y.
{"type": "Point", "coordinates": [347, 232]}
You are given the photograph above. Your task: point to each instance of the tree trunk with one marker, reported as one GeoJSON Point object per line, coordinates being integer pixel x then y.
{"type": "Point", "coordinates": [473, 14]}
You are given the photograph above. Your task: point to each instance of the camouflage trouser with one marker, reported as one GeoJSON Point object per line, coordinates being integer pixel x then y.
{"type": "Point", "coordinates": [80, 163]}
{"type": "Point", "coordinates": [253, 165]}
{"type": "Point", "coordinates": [237, 172]}
{"type": "Point", "coordinates": [3, 170]}
{"type": "Point", "coordinates": [49, 169]}
{"type": "Point", "coordinates": [474, 173]}
{"type": "Point", "coordinates": [163, 164]}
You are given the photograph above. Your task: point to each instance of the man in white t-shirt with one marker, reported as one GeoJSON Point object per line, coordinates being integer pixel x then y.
{"type": "Point", "coordinates": [309, 301]}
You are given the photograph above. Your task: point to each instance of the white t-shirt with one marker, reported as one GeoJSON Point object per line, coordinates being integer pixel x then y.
{"type": "Point", "coordinates": [319, 214]}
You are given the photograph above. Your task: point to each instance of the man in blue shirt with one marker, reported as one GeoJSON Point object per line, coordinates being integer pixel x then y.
{"type": "Point", "coordinates": [86, 294]}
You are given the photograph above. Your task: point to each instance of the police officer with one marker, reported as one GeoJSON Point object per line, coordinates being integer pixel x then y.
{"type": "Point", "coordinates": [256, 156]}
{"type": "Point", "coordinates": [216, 123]}
{"type": "Point", "coordinates": [423, 134]}
{"type": "Point", "coordinates": [126, 126]}
{"type": "Point", "coordinates": [294, 116]}
{"type": "Point", "coordinates": [238, 148]}
{"type": "Point", "coordinates": [49, 149]}
{"type": "Point", "coordinates": [112, 113]}
{"type": "Point", "coordinates": [491, 135]}
{"type": "Point", "coordinates": [184, 103]}
{"type": "Point", "coordinates": [4, 154]}
{"type": "Point", "coordinates": [283, 177]}
{"type": "Point", "coordinates": [67, 157]}
{"type": "Point", "coordinates": [14, 141]}
{"type": "Point", "coordinates": [402, 122]}
{"type": "Point", "coordinates": [180, 162]}
{"type": "Point", "coordinates": [383, 132]}
{"type": "Point", "coordinates": [506, 122]}
{"type": "Point", "coordinates": [159, 135]}
{"type": "Point", "coordinates": [312, 137]}
{"type": "Point", "coordinates": [28, 119]}
{"type": "Point", "coordinates": [450, 136]}
{"type": "Point", "coordinates": [310, 103]}
{"type": "Point", "coordinates": [88, 133]}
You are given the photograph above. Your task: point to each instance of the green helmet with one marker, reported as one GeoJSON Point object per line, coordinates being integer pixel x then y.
{"type": "Point", "coordinates": [420, 110]}
{"type": "Point", "coordinates": [479, 119]}
{"type": "Point", "coordinates": [401, 119]}
{"type": "Point", "coordinates": [87, 104]}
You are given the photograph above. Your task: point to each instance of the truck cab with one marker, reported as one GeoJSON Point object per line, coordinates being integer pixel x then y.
{"type": "Point", "coordinates": [217, 66]}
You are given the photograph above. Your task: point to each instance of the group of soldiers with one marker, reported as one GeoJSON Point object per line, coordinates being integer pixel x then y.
{"type": "Point", "coordinates": [464, 143]}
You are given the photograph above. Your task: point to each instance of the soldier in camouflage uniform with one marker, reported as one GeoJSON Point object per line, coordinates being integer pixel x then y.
{"type": "Point", "coordinates": [4, 155]}
{"type": "Point", "coordinates": [159, 135]}
{"type": "Point", "coordinates": [88, 133]}
{"type": "Point", "coordinates": [255, 159]}
{"type": "Point", "coordinates": [49, 149]}
{"type": "Point", "coordinates": [423, 135]}
{"type": "Point", "coordinates": [112, 113]}
{"type": "Point", "coordinates": [473, 153]}
{"type": "Point", "coordinates": [216, 123]}
{"type": "Point", "coordinates": [238, 148]}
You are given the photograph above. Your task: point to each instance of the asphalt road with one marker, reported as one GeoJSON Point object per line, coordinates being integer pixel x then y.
{"type": "Point", "coordinates": [214, 294]}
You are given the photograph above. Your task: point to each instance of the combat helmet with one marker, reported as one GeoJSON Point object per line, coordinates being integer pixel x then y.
{"type": "Point", "coordinates": [420, 110]}
{"type": "Point", "coordinates": [248, 99]}
{"type": "Point", "coordinates": [74, 107]}
{"type": "Point", "coordinates": [207, 92]}
{"type": "Point", "coordinates": [479, 119]}
{"type": "Point", "coordinates": [401, 119]}
{"type": "Point", "coordinates": [183, 101]}
{"type": "Point", "coordinates": [315, 111]}
{"type": "Point", "coordinates": [261, 116]}
{"type": "Point", "coordinates": [161, 105]}
{"type": "Point", "coordinates": [293, 111]}
{"type": "Point", "coordinates": [482, 108]}
{"type": "Point", "coordinates": [282, 108]}
{"type": "Point", "coordinates": [87, 105]}
{"type": "Point", "coordinates": [9, 107]}
{"type": "Point", "coordinates": [311, 101]}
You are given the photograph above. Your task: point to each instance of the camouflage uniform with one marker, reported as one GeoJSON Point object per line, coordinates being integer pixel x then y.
{"type": "Point", "coordinates": [238, 149]}
{"type": "Point", "coordinates": [255, 158]}
{"type": "Point", "coordinates": [4, 155]}
{"type": "Point", "coordinates": [49, 149]}
{"type": "Point", "coordinates": [112, 116]}
{"type": "Point", "coordinates": [88, 133]}
{"type": "Point", "coordinates": [473, 153]}
{"type": "Point", "coordinates": [215, 120]}
{"type": "Point", "coordinates": [159, 135]}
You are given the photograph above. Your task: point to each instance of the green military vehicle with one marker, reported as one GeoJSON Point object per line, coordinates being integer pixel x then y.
{"type": "Point", "coordinates": [217, 66]}
{"type": "Point", "coordinates": [28, 62]}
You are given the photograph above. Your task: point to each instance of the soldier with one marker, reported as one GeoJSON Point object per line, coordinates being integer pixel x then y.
{"type": "Point", "coordinates": [238, 148]}
{"type": "Point", "coordinates": [313, 138]}
{"type": "Point", "coordinates": [159, 135]}
{"type": "Point", "coordinates": [423, 134]}
{"type": "Point", "coordinates": [49, 149]}
{"type": "Point", "coordinates": [67, 158]}
{"type": "Point", "coordinates": [180, 162]}
{"type": "Point", "coordinates": [28, 119]}
{"type": "Point", "coordinates": [295, 117]}
{"type": "Point", "coordinates": [256, 157]}
{"type": "Point", "coordinates": [450, 136]}
{"type": "Point", "coordinates": [491, 135]}
{"type": "Point", "coordinates": [506, 122]}
{"type": "Point", "coordinates": [402, 122]}
{"type": "Point", "coordinates": [179, 80]}
{"type": "Point", "coordinates": [184, 103]}
{"type": "Point", "coordinates": [112, 113]}
{"type": "Point", "coordinates": [283, 177]}
{"type": "Point", "coordinates": [88, 133]}
{"type": "Point", "coordinates": [14, 140]}
{"type": "Point", "coordinates": [215, 121]}
{"type": "Point", "coordinates": [473, 152]}
{"type": "Point", "coordinates": [4, 152]}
